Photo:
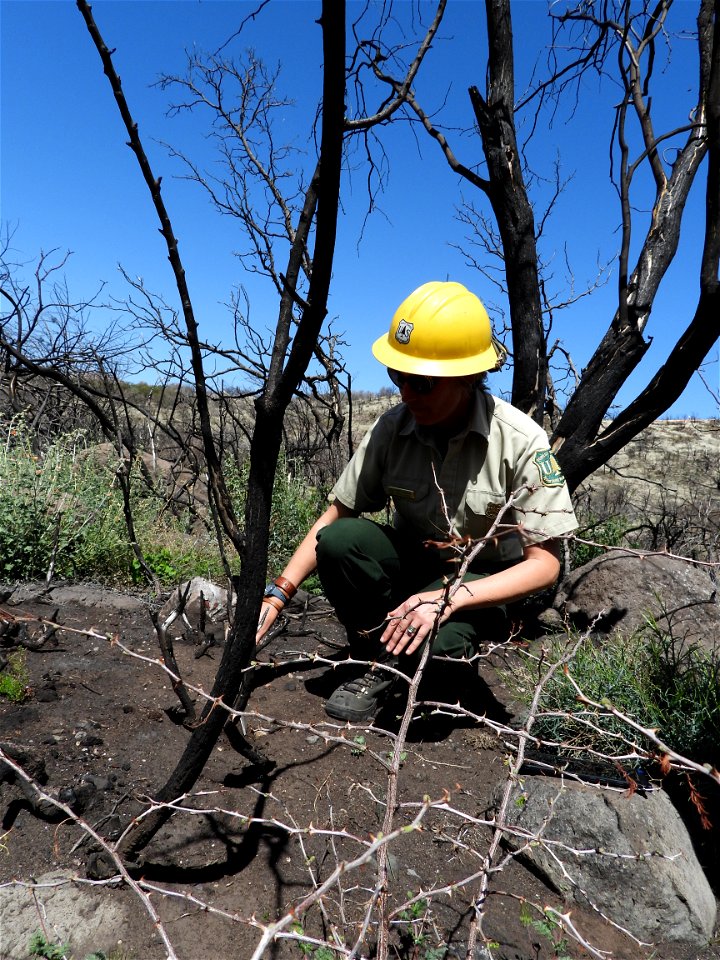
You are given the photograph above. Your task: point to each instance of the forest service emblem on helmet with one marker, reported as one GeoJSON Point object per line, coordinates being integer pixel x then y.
{"type": "Point", "coordinates": [548, 468]}
{"type": "Point", "coordinates": [404, 329]}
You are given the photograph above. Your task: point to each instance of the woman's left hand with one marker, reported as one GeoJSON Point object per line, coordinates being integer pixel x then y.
{"type": "Point", "coordinates": [413, 621]}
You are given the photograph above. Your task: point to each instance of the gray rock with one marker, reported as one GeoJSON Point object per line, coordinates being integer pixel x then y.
{"type": "Point", "coordinates": [624, 589]}
{"type": "Point", "coordinates": [638, 867]}
{"type": "Point", "coordinates": [214, 597]}
{"type": "Point", "coordinates": [98, 782]}
{"type": "Point", "coordinates": [87, 919]}
{"type": "Point", "coordinates": [88, 594]}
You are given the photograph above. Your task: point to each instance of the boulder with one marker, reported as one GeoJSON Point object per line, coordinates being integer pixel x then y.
{"type": "Point", "coordinates": [85, 918]}
{"type": "Point", "coordinates": [198, 590]}
{"type": "Point", "coordinates": [618, 591]}
{"type": "Point", "coordinates": [629, 856]}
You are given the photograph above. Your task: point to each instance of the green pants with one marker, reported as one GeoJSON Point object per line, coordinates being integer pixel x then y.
{"type": "Point", "coordinates": [367, 569]}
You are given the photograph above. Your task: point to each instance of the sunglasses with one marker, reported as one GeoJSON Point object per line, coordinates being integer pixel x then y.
{"type": "Point", "coordinates": [418, 384]}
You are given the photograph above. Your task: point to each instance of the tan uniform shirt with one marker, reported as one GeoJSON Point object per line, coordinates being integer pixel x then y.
{"type": "Point", "coordinates": [501, 458]}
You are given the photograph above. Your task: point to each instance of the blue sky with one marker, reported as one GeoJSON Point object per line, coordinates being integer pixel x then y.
{"type": "Point", "coordinates": [67, 180]}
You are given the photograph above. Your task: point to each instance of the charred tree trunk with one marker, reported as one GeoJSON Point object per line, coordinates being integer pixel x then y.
{"type": "Point", "coordinates": [509, 199]}
{"type": "Point", "coordinates": [630, 43]}
{"type": "Point", "coordinates": [579, 440]}
{"type": "Point", "coordinates": [322, 205]}
{"type": "Point", "coordinates": [624, 345]}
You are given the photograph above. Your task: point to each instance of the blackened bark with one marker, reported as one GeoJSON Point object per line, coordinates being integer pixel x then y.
{"type": "Point", "coordinates": [579, 440]}
{"type": "Point", "coordinates": [623, 346]}
{"type": "Point", "coordinates": [267, 435]}
{"type": "Point", "coordinates": [508, 196]}
{"type": "Point", "coordinates": [665, 387]}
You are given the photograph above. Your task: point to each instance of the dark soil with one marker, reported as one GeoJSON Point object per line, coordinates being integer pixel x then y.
{"type": "Point", "coordinates": [105, 725]}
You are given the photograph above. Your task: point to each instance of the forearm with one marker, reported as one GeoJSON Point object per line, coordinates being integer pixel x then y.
{"type": "Point", "coordinates": [538, 570]}
{"type": "Point", "coordinates": [415, 619]}
{"type": "Point", "coordinates": [301, 565]}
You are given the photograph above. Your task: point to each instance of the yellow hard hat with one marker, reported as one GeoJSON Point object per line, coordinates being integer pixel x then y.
{"type": "Point", "coordinates": [440, 330]}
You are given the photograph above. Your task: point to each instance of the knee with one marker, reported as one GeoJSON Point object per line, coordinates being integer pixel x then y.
{"type": "Point", "coordinates": [335, 540]}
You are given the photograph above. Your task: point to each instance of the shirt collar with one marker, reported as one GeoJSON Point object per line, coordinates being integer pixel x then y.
{"type": "Point", "coordinates": [479, 422]}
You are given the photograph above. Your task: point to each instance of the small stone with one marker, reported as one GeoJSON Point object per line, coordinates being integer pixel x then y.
{"type": "Point", "coordinates": [100, 783]}
{"type": "Point", "coordinates": [84, 739]}
{"type": "Point", "coordinates": [84, 793]}
{"type": "Point", "coordinates": [67, 796]}
{"type": "Point", "coordinates": [113, 827]}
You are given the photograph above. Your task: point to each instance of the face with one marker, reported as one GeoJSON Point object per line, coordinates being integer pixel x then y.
{"type": "Point", "coordinates": [446, 405]}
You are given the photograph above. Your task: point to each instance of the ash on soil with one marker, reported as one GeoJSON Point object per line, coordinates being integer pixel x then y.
{"type": "Point", "coordinates": [105, 725]}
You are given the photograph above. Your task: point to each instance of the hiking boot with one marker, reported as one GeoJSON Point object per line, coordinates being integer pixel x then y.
{"type": "Point", "coordinates": [360, 699]}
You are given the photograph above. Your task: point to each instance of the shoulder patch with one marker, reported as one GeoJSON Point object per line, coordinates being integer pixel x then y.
{"type": "Point", "coordinates": [548, 468]}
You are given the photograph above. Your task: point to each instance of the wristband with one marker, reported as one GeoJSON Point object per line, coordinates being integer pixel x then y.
{"type": "Point", "coordinates": [287, 587]}
{"type": "Point", "coordinates": [272, 591]}
{"type": "Point", "coordinates": [275, 602]}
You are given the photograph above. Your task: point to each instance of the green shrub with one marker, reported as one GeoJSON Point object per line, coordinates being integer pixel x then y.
{"type": "Point", "coordinates": [654, 678]}
{"type": "Point", "coordinates": [14, 678]}
{"type": "Point", "coordinates": [295, 508]}
{"type": "Point", "coordinates": [61, 512]}
{"type": "Point", "coordinates": [296, 505]}
{"type": "Point", "coordinates": [607, 532]}
{"type": "Point", "coordinates": [58, 511]}
{"type": "Point", "coordinates": [686, 684]}
{"type": "Point", "coordinates": [40, 946]}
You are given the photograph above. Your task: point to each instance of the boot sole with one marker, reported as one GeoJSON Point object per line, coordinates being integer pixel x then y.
{"type": "Point", "coordinates": [350, 715]}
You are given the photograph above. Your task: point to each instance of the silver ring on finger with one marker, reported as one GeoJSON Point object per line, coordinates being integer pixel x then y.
{"type": "Point", "coordinates": [411, 631]}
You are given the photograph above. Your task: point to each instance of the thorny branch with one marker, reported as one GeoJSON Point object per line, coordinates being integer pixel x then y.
{"type": "Point", "coordinates": [107, 847]}
{"type": "Point", "coordinates": [400, 818]}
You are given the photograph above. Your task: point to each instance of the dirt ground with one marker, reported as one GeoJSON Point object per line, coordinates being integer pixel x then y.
{"type": "Point", "coordinates": [104, 724]}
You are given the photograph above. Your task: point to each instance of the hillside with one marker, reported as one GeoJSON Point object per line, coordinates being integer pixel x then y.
{"type": "Point", "coordinates": [665, 484]}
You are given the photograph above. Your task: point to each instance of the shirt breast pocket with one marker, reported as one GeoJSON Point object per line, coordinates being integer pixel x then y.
{"type": "Point", "coordinates": [482, 508]}
{"type": "Point", "coordinates": [412, 500]}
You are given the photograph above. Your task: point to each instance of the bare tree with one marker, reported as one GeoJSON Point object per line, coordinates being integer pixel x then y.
{"type": "Point", "coordinates": [579, 438]}
{"type": "Point", "coordinates": [289, 359]}
{"type": "Point", "coordinates": [39, 318]}
{"type": "Point", "coordinates": [624, 39]}
{"type": "Point", "coordinates": [302, 287]}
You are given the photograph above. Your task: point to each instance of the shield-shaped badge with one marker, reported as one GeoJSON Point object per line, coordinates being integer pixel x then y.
{"type": "Point", "coordinates": [404, 329]}
{"type": "Point", "coordinates": [548, 468]}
